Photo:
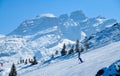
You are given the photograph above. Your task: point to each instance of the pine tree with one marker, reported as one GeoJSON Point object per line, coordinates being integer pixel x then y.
{"type": "Point", "coordinates": [56, 53]}
{"type": "Point", "coordinates": [71, 50]}
{"type": "Point", "coordinates": [29, 60]}
{"type": "Point", "coordinates": [52, 56]}
{"type": "Point", "coordinates": [63, 52]}
{"type": "Point", "coordinates": [13, 71]}
{"type": "Point", "coordinates": [77, 46]}
{"type": "Point", "coordinates": [34, 61]}
{"type": "Point", "coordinates": [20, 60]}
{"type": "Point", "coordinates": [26, 61]}
{"type": "Point", "coordinates": [64, 46]}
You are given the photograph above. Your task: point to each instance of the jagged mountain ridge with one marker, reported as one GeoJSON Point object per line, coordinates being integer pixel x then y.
{"type": "Point", "coordinates": [45, 34]}
{"type": "Point", "coordinates": [68, 25]}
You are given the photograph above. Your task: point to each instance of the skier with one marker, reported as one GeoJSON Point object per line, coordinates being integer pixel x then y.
{"type": "Point", "coordinates": [80, 57]}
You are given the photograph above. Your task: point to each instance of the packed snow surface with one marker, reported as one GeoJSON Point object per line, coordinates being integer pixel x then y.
{"type": "Point", "coordinates": [70, 65]}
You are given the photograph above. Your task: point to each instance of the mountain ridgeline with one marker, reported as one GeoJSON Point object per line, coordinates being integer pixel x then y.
{"type": "Point", "coordinates": [68, 26]}
{"type": "Point", "coordinates": [43, 35]}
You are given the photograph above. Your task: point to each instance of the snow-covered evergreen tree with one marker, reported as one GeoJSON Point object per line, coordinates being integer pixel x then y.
{"type": "Point", "coordinates": [34, 61]}
{"type": "Point", "coordinates": [77, 49]}
{"type": "Point", "coordinates": [26, 61]}
{"type": "Point", "coordinates": [13, 71]}
{"type": "Point", "coordinates": [63, 52]}
{"type": "Point", "coordinates": [52, 56]}
{"type": "Point", "coordinates": [71, 50]}
{"type": "Point", "coordinates": [56, 52]}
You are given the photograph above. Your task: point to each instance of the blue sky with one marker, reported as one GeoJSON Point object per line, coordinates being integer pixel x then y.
{"type": "Point", "coordinates": [14, 12]}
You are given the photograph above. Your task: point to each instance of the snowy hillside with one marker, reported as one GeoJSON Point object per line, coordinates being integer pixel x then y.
{"type": "Point", "coordinates": [104, 37]}
{"type": "Point", "coordinates": [70, 66]}
{"type": "Point", "coordinates": [43, 35]}
{"type": "Point", "coordinates": [12, 47]}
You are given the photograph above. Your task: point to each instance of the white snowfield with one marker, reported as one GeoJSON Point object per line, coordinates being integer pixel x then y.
{"type": "Point", "coordinates": [93, 61]}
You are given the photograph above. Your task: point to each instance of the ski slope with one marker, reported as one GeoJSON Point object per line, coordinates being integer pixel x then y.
{"type": "Point", "coordinates": [93, 61]}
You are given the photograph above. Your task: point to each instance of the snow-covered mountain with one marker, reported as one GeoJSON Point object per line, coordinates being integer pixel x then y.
{"type": "Point", "coordinates": [43, 35]}
{"type": "Point", "coordinates": [104, 37]}
{"type": "Point", "coordinates": [69, 26]}
{"type": "Point", "coordinates": [47, 33]}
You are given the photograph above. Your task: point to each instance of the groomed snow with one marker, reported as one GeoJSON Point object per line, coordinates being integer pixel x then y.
{"type": "Point", "coordinates": [93, 61]}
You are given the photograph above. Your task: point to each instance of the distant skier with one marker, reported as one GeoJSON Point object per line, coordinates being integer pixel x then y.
{"type": "Point", "coordinates": [80, 57]}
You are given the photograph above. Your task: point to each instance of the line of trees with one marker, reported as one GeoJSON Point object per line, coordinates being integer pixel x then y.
{"type": "Point", "coordinates": [73, 49]}
{"type": "Point", "coordinates": [77, 48]}
{"type": "Point", "coordinates": [13, 71]}
{"type": "Point", "coordinates": [26, 61]}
